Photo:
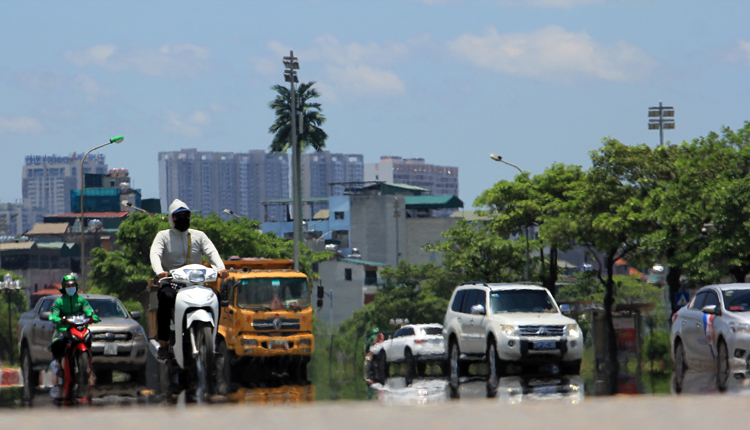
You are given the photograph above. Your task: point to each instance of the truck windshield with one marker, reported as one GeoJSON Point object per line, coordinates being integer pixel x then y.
{"type": "Point", "coordinates": [272, 293]}
{"type": "Point", "coordinates": [521, 301]}
{"type": "Point", "coordinates": [108, 308]}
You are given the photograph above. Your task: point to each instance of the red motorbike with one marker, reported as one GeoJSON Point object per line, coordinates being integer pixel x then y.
{"type": "Point", "coordinates": [76, 363]}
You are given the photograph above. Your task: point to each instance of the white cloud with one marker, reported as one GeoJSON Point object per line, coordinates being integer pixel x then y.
{"type": "Point", "coordinates": [552, 53]}
{"type": "Point", "coordinates": [20, 124]}
{"type": "Point", "coordinates": [350, 68]}
{"type": "Point", "coordinates": [190, 125]}
{"type": "Point", "coordinates": [739, 54]}
{"type": "Point", "coordinates": [167, 60]}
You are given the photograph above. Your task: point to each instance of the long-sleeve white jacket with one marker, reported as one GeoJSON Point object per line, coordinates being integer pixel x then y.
{"type": "Point", "coordinates": [170, 247]}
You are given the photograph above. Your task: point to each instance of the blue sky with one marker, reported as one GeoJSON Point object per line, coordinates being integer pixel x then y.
{"type": "Point", "coordinates": [537, 81]}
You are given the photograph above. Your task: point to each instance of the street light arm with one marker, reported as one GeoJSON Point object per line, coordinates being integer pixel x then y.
{"type": "Point", "coordinates": [500, 159]}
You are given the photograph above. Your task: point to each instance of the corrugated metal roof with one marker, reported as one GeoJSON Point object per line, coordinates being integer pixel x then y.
{"type": "Point", "coordinates": [470, 216]}
{"type": "Point", "coordinates": [51, 245]}
{"type": "Point", "coordinates": [433, 202]}
{"type": "Point", "coordinates": [304, 200]}
{"type": "Point", "coordinates": [322, 214]}
{"type": "Point", "coordinates": [16, 246]}
{"type": "Point", "coordinates": [362, 262]}
{"type": "Point", "coordinates": [48, 228]}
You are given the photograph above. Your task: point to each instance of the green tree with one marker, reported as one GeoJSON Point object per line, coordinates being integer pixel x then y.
{"type": "Point", "coordinates": [476, 253]}
{"type": "Point", "coordinates": [8, 340]}
{"type": "Point", "coordinates": [528, 202]}
{"type": "Point", "coordinates": [311, 135]}
{"type": "Point", "coordinates": [606, 215]}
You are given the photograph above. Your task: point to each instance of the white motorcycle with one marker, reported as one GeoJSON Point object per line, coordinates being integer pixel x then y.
{"type": "Point", "coordinates": [196, 313]}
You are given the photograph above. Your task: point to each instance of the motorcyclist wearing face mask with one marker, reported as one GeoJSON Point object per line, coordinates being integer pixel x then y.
{"type": "Point", "coordinates": [70, 303]}
{"type": "Point", "coordinates": [172, 249]}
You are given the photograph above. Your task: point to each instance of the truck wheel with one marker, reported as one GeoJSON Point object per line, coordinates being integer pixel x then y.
{"type": "Point", "coordinates": [30, 377]}
{"type": "Point", "coordinates": [411, 366]}
{"type": "Point", "coordinates": [571, 367]}
{"type": "Point", "coordinates": [223, 369]}
{"type": "Point", "coordinates": [298, 370]}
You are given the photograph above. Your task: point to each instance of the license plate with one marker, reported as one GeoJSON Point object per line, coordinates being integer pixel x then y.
{"type": "Point", "coordinates": [545, 345]}
{"type": "Point", "coordinates": [279, 343]}
{"type": "Point", "coordinates": [110, 349]}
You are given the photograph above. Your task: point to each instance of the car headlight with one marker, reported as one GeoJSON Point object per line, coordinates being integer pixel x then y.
{"type": "Point", "coordinates": [572, 331]}
{"type": "Point", "coordinates": [739, 327]}
{"type": "Point", "coordinates": [138, 332]}
{"type": "Point", "coordinates": [509, 330]}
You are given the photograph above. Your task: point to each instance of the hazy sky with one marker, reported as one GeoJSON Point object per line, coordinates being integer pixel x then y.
{"type": "Point", "coordinates": [537, 81]}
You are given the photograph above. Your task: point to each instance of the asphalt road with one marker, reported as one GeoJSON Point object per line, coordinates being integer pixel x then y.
{"type": "Point", "coordinates": [619, 412]}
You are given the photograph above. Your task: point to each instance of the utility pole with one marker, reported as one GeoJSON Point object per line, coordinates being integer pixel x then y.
{"type": "Point", "coordinates": [657, 121]}
{"type": "Point", "coordinates": [290, 75]}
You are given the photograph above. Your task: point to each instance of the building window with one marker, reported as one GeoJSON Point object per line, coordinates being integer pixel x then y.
{"type": "Point", "coordinates": [371, 277]}
{"type": "Point", "coordinates": [348, 274]}
{"type": "Point", "coordinates": [338, 215]}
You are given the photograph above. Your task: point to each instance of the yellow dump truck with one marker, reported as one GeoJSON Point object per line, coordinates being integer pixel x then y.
{"type": "Point", "coordinates": [265, 327]}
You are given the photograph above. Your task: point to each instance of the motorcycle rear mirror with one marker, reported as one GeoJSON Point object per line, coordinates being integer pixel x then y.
{"type": "Point", "coordinates": [135, 315]}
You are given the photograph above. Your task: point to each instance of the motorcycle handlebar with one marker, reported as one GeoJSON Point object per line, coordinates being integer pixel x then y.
{"type": "Point", "coordinates": [89, 320]}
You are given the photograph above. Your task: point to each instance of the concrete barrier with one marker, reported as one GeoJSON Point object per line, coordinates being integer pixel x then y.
{"type": "Point", "coordinates": [10, 377]}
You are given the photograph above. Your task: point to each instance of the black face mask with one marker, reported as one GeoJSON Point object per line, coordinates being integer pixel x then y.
{"type": "Point", "coordinates": [182, 224]}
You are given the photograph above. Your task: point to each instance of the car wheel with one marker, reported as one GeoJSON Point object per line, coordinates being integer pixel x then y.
{"type": "Point", "coordinates": [680, 365]}
{"type": "Point", "coordinates": [722, 366]}
{"type": "Point", "coordinates": [30, 377]}
{"type": "Point", "coordinates": [453, 364]}
{"type": "Point", "coordinates": [493, 365]}
{"type": "Point", "coordinates": [383, 368]}
{"type": "Point", "coordinates": [410, 366]}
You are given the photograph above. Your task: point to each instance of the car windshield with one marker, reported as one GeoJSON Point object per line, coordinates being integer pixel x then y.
{"type": "Point", "coordinates": [269, 293]}
{"type": "Point", "coordinates": [521, 301]}
{"type": "Point", "coordinates": [431, 331]}
{"type": "Point", "coordinates": [737, 300]}
{"type": "Point", "coordinates": [108, 308]}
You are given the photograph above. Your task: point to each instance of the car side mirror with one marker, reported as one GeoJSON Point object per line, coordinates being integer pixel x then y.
{"type": "Point", "coordinates": [45, 316]}
{"type": "Point", "coordinates": [565, 309]}
{"type": "Point", "coordinates": [711, 310]}
{"type": "Point", "coordinates": [478, 310]}
{"type": "Point", "coordinates": [321, 292]}
{"type": "Point", "coordinates": [135, 315]}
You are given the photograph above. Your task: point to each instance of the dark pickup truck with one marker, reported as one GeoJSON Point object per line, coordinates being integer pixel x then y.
{"type": "Point", "coordinates": [118, 341]}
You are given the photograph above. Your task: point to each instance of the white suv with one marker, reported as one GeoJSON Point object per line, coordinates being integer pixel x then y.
{"type": "Point", "coordinates": [508, 323]}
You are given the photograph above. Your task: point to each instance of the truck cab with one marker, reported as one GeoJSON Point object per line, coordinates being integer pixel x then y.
{"type": "Point", "coordinates": [266, 319]}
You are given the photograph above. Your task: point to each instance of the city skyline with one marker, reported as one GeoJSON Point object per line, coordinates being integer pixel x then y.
{"type": "Point", "coordinates": [537, 82]}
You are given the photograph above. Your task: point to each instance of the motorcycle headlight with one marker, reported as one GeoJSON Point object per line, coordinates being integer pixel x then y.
{"type": "Point", "coordinates": [572, 331]}
{"type": "Point", "coordinates": [210, 275]}
{"type": "Point", "coordinates": [509, 330]}
{"type": "Point", "coordinates": [196, 276]}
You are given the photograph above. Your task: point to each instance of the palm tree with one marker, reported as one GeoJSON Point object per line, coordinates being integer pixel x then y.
{"type": "Point", "coordinates": [311, 134]}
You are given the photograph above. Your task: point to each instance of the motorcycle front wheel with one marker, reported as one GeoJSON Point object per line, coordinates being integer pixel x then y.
{"type": "Point", "coordinates": [82, 375]}
{"type": "Point", "coordinates": [204, 363]}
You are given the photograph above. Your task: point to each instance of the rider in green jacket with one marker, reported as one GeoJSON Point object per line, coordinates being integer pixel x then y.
{"type": "Point", "coordinates": [70, 303]}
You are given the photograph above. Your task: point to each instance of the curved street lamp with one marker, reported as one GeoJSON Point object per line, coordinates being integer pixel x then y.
{"type": "Point", "coordinates": [229, 212]}
{"type": "Point", "coordinates": [500, 159]}
{"type": "Point", "coordinates": [116, 139]}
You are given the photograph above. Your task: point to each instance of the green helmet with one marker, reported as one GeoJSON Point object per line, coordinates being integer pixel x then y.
{"type": "Point", "coordinates": [375, 331]}
{"type": "Point", "coordinates": [68, 281]}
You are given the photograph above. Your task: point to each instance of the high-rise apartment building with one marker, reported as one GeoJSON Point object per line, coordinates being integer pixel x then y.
{"type": "Point", "coordinates": [414, 171]}
{"type": "Point", "coordinates": [48, 179]}
{"type": "Point", "coordinates": [213, 181]}
{"type": "Point", "coordinates": [18, 218]}
{"type": "Point", "coordinates": [322, 169]}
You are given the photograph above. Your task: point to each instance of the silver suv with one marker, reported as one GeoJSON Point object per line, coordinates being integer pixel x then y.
{"type": "Point", "coordinates": [502, 324]}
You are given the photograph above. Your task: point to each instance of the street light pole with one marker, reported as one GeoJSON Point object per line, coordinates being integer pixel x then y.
{"type": "Point", "coordinates": [229, 212]}
{"type": "Point", "coordinates": [116, 139]}
{"type": "Point", "coordinates": [656, 120]}
{"type": "Point", "coordinates": [500, 159]}
{"type": "Point", "coordinates": [9, 286]}
{"type": "Point", "coordinates": [290, 75]}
